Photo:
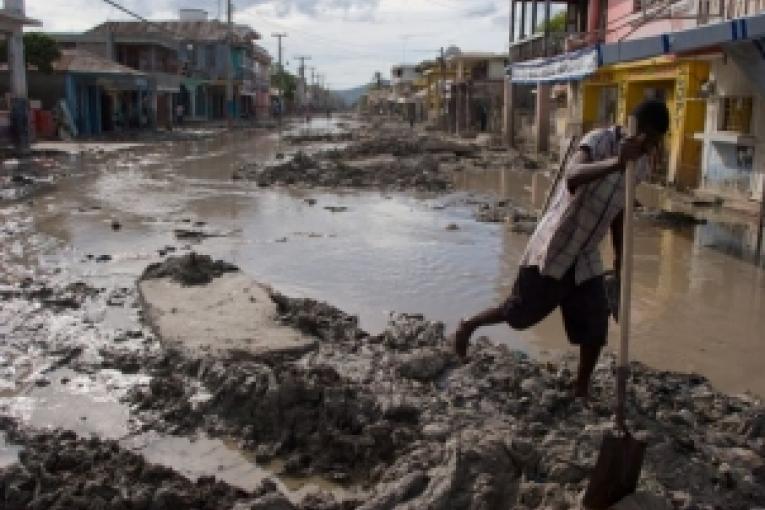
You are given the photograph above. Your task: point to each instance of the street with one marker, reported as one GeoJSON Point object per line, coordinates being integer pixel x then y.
{"type": "Point", "coordinates": [79, 352]}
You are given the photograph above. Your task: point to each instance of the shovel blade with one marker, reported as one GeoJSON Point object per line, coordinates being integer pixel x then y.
{"type": "Point", "coordinates": [616, 472]}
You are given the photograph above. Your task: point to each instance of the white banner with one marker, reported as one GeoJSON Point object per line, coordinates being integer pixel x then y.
{"type": "Point", "coordinates": [572, 66]}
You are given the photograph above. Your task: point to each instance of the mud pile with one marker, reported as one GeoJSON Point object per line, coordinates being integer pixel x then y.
{"type": "Point", "coordinates": [58, 471]}
{"type": "Point", "coordinates": [386, 159]}
{"type": "Point", "coordinates": [333, 171]}
{"type": "Point", "coordinates": [399, 414]}
{"type": "Point", "coordinates": [189, 269]}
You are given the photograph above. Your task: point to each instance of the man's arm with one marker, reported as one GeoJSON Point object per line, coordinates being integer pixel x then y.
{"type": "Point", "coordinates": [583, 170]}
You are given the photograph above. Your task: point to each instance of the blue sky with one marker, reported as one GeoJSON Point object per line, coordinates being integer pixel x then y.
{"type": "Point", "coordinates": [348, 39]}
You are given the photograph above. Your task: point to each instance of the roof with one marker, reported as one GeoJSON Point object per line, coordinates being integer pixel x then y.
{"type": "Point", "coordinates": [210, 30]}
{"type": "Point", "coordinates": [9, 18]}
{"type": "Point", "coordinates": [478, 55]}
{"type": "Point", "coordinates": [81, 61]}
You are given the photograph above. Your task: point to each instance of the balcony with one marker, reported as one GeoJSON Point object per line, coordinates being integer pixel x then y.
{"type": "Point", "coordinates": [539, 45]}
{"type": "Point", "coordinates": [714, 11]}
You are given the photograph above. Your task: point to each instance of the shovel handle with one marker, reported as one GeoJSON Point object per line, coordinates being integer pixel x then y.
{"type": "Point", "coordinates": [625, 299]}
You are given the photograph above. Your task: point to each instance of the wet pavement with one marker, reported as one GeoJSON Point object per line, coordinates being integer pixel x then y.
{"type": "Point", "coordinates": [699, 304]}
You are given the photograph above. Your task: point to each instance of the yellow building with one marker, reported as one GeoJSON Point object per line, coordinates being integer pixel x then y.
{"type": "Point", "coordinates": [613, 91]}
{"type": "Point", "coordinates": [438, 85]}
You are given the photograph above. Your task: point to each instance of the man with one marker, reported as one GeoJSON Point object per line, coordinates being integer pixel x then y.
{"type": "Point", "coordinates": [562, 265]}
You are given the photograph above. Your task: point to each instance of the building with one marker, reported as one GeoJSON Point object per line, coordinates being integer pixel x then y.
{"type": "Point", "coordinates": [477, 97]}
{"type": "Point", "coordinates": [406, 79]}
{"type": "Point", "coordinates": [140, 47]}
{"type": "Point", "coordinates": [188, 61]}
{"type": "Point", "coordinates": [704, 59]}
{"type": "Point", "coordinates": [14, 115]}
{"type": "Point", "coordinates": [100, 95]}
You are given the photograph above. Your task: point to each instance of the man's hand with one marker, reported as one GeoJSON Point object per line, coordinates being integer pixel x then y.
{"type": "Point", "coordinates": [630, 149]}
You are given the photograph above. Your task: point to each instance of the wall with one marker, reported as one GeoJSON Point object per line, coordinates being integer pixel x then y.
{"type": "Point", "coordinates": [496, 70]}
{"type": "Point", "coordinates": [722, 172]}
{"type": "Point", "coordinates": [620, 13]}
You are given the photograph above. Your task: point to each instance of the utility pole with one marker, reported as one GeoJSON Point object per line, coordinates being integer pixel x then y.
{"type": "Point", "coordinates": [301, 83]}
{"type": "Point", "coordinates": [230, 65]}
{"type": "Point", "coordinates": [18, 81]}
{"type": "Point", "coordinates": [280, 36]}
{"type": "Point", "coordinates": [441, 94]}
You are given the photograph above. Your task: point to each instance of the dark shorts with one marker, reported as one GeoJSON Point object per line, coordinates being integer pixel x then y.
{"type": "Point", "coordinates": [584, 307]}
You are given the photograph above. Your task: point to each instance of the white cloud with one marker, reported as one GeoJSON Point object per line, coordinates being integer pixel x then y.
{"type": "Point", "coordinates": [348, 39]}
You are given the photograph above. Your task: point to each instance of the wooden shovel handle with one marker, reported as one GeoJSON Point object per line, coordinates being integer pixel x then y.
{"type": "Point", "coordinates": [625, 299]}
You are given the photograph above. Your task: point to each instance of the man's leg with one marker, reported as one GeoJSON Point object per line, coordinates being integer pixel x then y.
{"type": "Point", "coordinates": [467, 327]}
{"type": "Point", "coordinates": [533, 298]}
{"type": "Point", "coordinates": [585, 316]}
{"type": "Point", "coordinates": [588, 358]}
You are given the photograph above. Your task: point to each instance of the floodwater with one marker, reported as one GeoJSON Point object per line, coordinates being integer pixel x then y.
{"type": "Point", "coordinates": [696, 307]}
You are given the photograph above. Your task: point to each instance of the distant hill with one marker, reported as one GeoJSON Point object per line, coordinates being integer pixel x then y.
{"type": "Point", "coordinates": [351, 96]}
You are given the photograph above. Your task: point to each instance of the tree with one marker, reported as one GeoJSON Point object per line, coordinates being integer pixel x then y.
{"type": "Point", "coordinates": [40, 51]}
{"type": "Point", "coordinates": [557, 23]}
{"type": "Point", "coordinates": [287, 81]}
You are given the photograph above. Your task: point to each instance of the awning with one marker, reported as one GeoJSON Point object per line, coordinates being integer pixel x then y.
{"type": "Point", "coordinates": [572, 66]}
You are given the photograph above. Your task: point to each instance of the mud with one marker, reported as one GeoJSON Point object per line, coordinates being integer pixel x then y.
{"type": "Point", "coordinates": [386, 159]}
{"type": "Point", "coordinates": [59, 471]}
{"type": "Point", "coordinates": [399, 414]}
{"type": "Point", "coordinates": [391, 414]}
{"type": "Point", "coordinates": [189, 269]}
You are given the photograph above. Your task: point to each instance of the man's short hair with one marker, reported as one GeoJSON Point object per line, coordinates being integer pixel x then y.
{"type": "Point", "coordinates": [652, 115]}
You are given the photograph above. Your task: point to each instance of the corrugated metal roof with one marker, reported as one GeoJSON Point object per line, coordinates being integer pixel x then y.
{"type": "Point", "coordinates": [81, 61]}
{"type": "Point", "coordinates": [211, 30]}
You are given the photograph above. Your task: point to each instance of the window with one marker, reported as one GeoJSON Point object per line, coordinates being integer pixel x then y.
{"type": "Point", "coordinates": [210, 56]}
{"type": "Point", "coordinates": [735, 114]}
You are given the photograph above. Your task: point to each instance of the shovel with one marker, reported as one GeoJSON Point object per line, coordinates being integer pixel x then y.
{"type": "Point", "coordinates": [621, 455]}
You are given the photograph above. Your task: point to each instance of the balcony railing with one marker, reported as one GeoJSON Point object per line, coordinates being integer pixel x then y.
{"type": "Point", "coordinates": [712, 11]}
{"type": "Point", "coordinates": [538, 46]}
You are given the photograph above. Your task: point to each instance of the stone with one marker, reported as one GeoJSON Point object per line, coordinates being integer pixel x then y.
{"type": "Point", "coordinates": [424, 365]}
{"type": "Point", "coordinates": [273, 501]}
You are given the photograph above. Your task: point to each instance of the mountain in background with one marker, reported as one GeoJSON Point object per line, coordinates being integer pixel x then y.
{"type": "Point", "coordinates": [351, 96]}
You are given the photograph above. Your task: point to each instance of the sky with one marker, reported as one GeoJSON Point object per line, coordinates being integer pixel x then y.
{"type": "Point", "coordinates": [348, 40]}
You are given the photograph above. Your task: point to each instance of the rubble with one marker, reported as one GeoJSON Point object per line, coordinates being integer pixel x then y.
{"type": "Point", "coordinates": [59, 471]}
{"type": "Point", "coordinates": [189, 269]}
{"type": "Point", "coordinates": [422, 430]}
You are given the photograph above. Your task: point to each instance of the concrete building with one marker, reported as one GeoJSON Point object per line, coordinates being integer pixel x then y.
{"type": "Point", "coordinates": [15, 119]}
{"type": "Point", "coordinates": [405, 79]}
{"type": "Point", "coordinates": [477, 92]}
{"type": "Point", "coordinates": [188, 58]}
{"type": "Point", "coordinates": [153, 52]}
{"type": "Point", "coordinates": [88, 85]}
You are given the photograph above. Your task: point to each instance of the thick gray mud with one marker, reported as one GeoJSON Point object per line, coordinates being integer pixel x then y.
{"type": "Point", "coordinates": [398, 414]}
{"type": "Point", "coordinates": [380, 415]}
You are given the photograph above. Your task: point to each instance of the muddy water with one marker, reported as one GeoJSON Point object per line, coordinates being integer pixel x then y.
{"type": "Point", "coordinates": [696, 308]}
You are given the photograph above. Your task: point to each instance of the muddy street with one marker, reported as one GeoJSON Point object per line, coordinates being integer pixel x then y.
{"type": "Point", "coordinates": [360, 249]}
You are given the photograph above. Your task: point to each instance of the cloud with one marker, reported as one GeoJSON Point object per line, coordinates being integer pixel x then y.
{"type": "Point", "coordinates": [347, 9]}
{"type": "Point", "coordinates": [481, 10]}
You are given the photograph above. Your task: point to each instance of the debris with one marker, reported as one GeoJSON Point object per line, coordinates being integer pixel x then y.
{"type": "Point", "coordinates": [189, 269]}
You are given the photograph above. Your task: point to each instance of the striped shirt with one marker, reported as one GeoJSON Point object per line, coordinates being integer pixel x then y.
{"type": "Point", "coordinates": [570, 232]}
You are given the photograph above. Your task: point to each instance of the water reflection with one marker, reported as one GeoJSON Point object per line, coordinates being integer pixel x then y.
{"type": "Point", "coordinates": [696, 308]}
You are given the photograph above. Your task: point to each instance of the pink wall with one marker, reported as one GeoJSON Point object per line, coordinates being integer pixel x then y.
{"type": "Point", "coordinates": [620, 13]}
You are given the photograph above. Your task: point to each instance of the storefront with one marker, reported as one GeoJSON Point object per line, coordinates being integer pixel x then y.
{"type": "Point", "coordinates": [609, 95]}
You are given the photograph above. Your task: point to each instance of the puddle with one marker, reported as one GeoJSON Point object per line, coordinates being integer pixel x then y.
{"type": "Point", "coordinates": [195, 457]}
{"type": "Point", "coordinates": [392, 252]}
{"type": "Point", "coordinates": [87, 404]}
{"type": "Point", "coordinates": [9, 454]}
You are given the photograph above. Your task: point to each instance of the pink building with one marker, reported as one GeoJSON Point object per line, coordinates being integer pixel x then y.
{"type": "Point", "coordinates": [634, 19]}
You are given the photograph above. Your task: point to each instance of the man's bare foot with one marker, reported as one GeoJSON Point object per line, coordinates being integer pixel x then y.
{"type": "Point", "coordinates": [462, 338]}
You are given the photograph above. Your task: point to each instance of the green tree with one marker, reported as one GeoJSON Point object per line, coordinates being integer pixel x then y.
{"type": "Point", "coordinates": [557, 23]}
{"type": "Point", "coordinates": [40, 51]}
{"type": "Point", "coordinates": [287, 81]}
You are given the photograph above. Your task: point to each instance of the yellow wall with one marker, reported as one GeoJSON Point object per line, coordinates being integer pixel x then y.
{"type": "Point", "coordinates": [679, 80]}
